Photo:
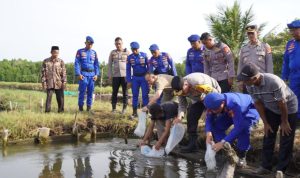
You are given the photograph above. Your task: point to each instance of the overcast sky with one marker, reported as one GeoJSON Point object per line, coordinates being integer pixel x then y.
{"type": "Point", "coordinates": [30, 27]}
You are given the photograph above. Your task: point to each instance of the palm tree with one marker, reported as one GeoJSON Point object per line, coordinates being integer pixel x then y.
{"type": "Point", "coordinates": [229, 24]}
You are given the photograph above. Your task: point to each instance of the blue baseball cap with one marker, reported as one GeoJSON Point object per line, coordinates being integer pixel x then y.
{"type": "Point", "coordinates": [89, 39]}
{"type": "Point", "coordinates": [153, 47]}
{"type": "Point", "coordinates": [294, 24]}
{"type": "Point", "coordinates": [213, 100]}
{"type": "Point", "coordinates": [194, 38]}
{"type": "Point", "coordinates": [134, 45]}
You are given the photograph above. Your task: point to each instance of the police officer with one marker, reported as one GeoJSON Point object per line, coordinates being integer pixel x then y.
{"type": "Point", "coordinates": [117, 73]}
{"type": "Point", "coordinates": [137, 64]}
{"type": "Point", "coordinates": [194, 59]}
{"type": "Point", "coordinates": [255, 52]}
{"type": "Point", "coordinates": [291, 62]}
{"type": "Point", "coordinates": [161, 62]}
{"type": "Point", "coordinates": [277, 106]}
{"type": "Point", "coordinates": [194, 86]}
{"type": "Point", "coordinates": [87, 69]}
{"type": "Point", "coordinates": [218, 62]}
{"type": "Point", "coordinates": [225, 110]}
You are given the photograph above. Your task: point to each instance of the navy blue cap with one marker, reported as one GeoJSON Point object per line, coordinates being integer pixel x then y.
{"type": "Point", "coordinates": [248, 71]}
{"type": "Point", "coordinates": [194, 38]}
{"type": "Point", "coordinates": [134, 45]}
{"type": "Point", "coordinates": [89, 39]}
{"type": "Point", "coordinates": [153, 47]}
{"type": "Point", "coordinates": [294, 24]}
{"type": "Point", "coordinates": [213, 100]}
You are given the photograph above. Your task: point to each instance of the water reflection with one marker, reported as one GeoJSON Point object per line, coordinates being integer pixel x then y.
{"type": "Point", "coordinates": [53, 170]}
{"type": "Point", "coordinates": [83, 168]}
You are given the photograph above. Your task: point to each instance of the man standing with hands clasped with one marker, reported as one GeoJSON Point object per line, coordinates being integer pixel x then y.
{"type": "Point", "coordinates": [277, 106]}
{"type": "Point", "coordinates": [54, 79]}
{"type": "Point", "coordinates": [87, 69]}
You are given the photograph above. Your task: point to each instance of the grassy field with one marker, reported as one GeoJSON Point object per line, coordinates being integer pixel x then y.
{"type": "Point", "coordinates": [28, 114]}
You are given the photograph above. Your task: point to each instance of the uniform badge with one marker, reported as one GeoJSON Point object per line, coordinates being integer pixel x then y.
{"type": "Point", "coordinates": [226, 49]}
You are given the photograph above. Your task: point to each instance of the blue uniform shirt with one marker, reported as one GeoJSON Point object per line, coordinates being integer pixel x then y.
{"type": "Point", "coordinates": [163, 64]}
{"type": "Point", "coordinates": [291, 60]}
{"type": "Point", "coordinates": [86, 63]}
{"type": "Point", "coordinates": [139, 64]}
{"type": "Point", "coordinates": [194, 61]}
{"type": "Point", "coordinates": [237, 108]}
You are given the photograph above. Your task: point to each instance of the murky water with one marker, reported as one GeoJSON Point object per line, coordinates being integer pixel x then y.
{"type": "Point", "coordinates": [104, 158]}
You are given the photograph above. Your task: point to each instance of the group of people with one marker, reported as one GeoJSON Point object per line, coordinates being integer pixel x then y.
{"type": "Point", "coordinates": [208, 84]}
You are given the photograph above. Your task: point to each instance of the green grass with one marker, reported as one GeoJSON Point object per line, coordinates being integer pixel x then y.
{"type": "Point", "coordinates": [28, 115]}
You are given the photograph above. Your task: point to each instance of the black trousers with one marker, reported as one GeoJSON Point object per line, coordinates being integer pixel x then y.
{"type": "Point", "coordinates": [286, 142]}
{"type": "Point", "coordinates": [224, 86]}
{"type": "Point", "coordinates": [59, 98]}
{"type": "Point", "coordinates": [194, 113]}
{"type": "Point", "coordinates": [116, 83]}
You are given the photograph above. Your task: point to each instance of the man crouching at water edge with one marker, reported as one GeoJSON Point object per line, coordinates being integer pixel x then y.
{"type": "Point", "coordinates": [194, 86]}
{"type": "Point", "coordinates": [277, 106]}
{"type": "Point", "coordinates": [161, 116]}
{"type": "Point", "coordinates": [225, 110]}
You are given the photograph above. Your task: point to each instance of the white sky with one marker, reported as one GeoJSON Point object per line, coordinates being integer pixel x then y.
{"type": "Point", "coordinates": [30, 27]}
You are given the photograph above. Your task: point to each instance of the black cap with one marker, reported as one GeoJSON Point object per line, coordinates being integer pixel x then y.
{"type": "Point", "coordinates": [54, 48]}
{"type": "Point", "coordinates": [205, 35]}
{"type": "Point", "coordinates": [249, 70]}
{"type": "Point", "coordinates": [177, 83]}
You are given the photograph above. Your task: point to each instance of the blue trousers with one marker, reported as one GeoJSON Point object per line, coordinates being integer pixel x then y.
{"type": "Point", "coordinates": [220, 127]}
{"type": "Point", "coordinates": [87, 84]}
{"type": "Point", "coordinates": [137, 83]}
{"type": "Point", "coordinates": [295, 87]}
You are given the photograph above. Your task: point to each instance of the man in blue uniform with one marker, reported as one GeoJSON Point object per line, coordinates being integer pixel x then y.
{"type": "Point", "coordinates": [136, 69]}
{"type": "Point", "coordinates": [87, 69]}
{"type": "Point", "coordinates": [194, 58]}
{"type": "Point", "coordinates": [161, 62]}
{"type": "Point", "coordinates": [291, 61]}
{"type": "Point", "coordinates": [224, 110]}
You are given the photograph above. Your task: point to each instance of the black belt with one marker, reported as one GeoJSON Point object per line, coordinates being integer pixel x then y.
{"type": "Point", "coordinates": [139, 75]}
{"type": "Point", "coordinates": [87, 70]}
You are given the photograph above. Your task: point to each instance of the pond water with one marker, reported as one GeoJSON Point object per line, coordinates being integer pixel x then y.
{"type": "Point", "coordinates": [104, 158]}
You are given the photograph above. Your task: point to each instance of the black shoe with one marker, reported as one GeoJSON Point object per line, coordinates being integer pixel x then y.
{"type": "Point", "coordinates": [192, 145]}
{"type": "Point", "coordinates": [80, 108]}
{"type": "Point", "coordinates": [134, 114]}
{"type": "Point", "coordinates": [124, 109]}
{"type": "Point", "coordinates": [88, 108]}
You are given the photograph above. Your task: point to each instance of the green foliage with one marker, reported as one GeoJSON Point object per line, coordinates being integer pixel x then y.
{"type": "Point", "coordinates": [229, 24]}
{"type": "Point", "coordinates": [180, 68]}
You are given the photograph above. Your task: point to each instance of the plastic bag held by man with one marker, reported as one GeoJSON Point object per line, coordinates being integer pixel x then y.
{"type": "Point", "coordinates": [176, 135]}
{"type": "Point", "coordinates": [147, 151]}
{"type": "Point", "coordinates": [210, 158]}
{"type": "Point", "coordinates": [141, 127]}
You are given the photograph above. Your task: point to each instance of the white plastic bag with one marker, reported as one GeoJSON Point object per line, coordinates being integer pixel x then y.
{"type": "Point", "coordinates": [147, 151]}
{"type": "Point", "coordinates": [141, 127]}
{"type": "Point", "coordinates": [176, 135]}
{"type": "Point", "coordinates": [210, 158]}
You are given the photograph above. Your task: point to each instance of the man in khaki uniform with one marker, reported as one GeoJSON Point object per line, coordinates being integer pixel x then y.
{"type": "Point", "coordinates": [255, 52]}
{"type": "Point", "coordinates": [218, 62]}
{"type": "Point", "coordinates": [117, 73]}
{"type": "Point", "coordinates": [54, 79]}
{"type": "Point", "coordinates": [162, 83]}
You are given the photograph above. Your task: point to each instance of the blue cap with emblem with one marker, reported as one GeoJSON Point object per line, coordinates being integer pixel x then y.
{"type": "Point", "coordinates": [134, 45]}
{"type": "Point", "coordinates": [294, 24]}
{"type": "Point", "coordinates": [213, 100]}
{"type": "Point", "coordinates": [153, 47]}
{"type": "Point", "coordinates": [194, 38]}
{"type": "Point", "coordinates": [89, 39]}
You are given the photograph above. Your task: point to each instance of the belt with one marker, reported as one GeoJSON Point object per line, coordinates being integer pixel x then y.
{"type": "Point", "coordinates": [139, 75]}
{"type": "Point", "coordinates": [87, 70]}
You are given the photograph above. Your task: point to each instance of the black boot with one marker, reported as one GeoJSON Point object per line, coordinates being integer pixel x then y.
{"type": "Point", "coordinates": [134, 113]}
{"type": "Point", "coordinates": [113, 108]}
{"type": "Point", "coordinates": [192, 145]}
{"type": "Point", "coordinates": [88, 108]}
{"type": "Point", "coordinates": [124, 109]}
{"type": "Point", "coordinates": [80, 108]}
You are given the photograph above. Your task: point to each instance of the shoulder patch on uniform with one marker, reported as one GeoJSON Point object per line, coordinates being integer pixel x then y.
{"type": "Point", "coordinates": [226, 49]}
{"type": "Point", "coordinates": [268, 48]}
{"type": "Point", "coordinates": [291, 46]}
